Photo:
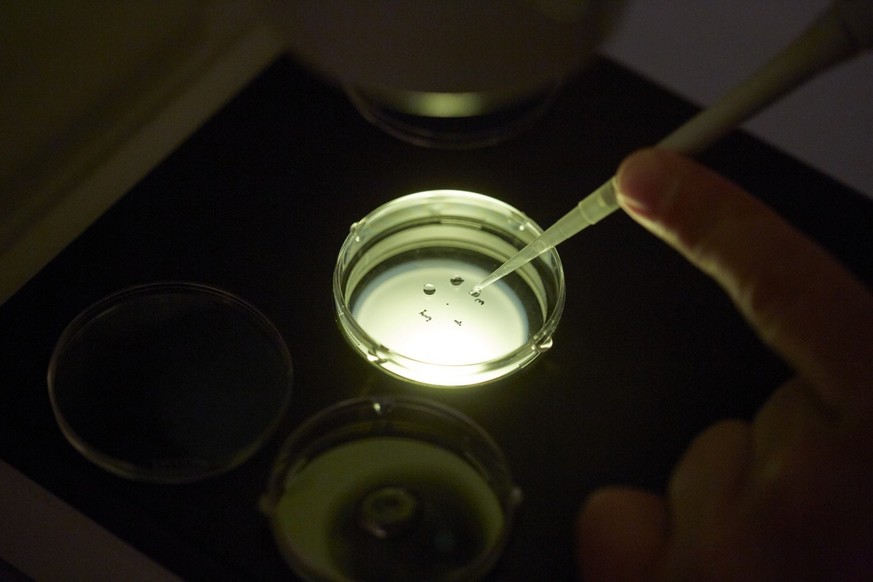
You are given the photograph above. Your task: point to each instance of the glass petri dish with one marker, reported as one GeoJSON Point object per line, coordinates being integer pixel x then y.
{"type": "Point", "coordinates": [169, 382]}
{"type": "Point", "coordinates": [384, 488]}
{"type": "Point", "coordinates": [473, 120]}
{"type": "Point", "coordinates": [402, 285]}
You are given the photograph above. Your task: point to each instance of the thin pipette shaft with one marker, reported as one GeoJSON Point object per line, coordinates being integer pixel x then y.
{"type": "Point", "coordinates": [835, 36]}
{"type": "Point", "coordinates": [590, 210]}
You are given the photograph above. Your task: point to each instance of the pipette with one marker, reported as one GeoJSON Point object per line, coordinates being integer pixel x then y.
{"type": "Point", "coordinates": [839, 33]}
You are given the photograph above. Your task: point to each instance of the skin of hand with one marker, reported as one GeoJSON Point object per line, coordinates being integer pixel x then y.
{"type": "Point", "coordinates": [788, 496]}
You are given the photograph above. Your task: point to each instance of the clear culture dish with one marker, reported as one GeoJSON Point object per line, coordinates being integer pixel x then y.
{"type": "Point", "coordinates": [390, 488]}
{"type": "Point", "coordinates": [402, 285]}
{"type": "Point", "coordinates": [169, 382]}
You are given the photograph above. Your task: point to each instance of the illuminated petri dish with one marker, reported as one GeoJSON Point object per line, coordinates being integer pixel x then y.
{"type": "Point", "coordinates": [388, 488]}
{"type": "Point", "coordinates": [169, 382]}
{"type": "Point", "coordinates": [402, 287]}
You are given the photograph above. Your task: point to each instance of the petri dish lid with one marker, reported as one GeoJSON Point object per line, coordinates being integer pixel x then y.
{"type": "Point", "coordinates": [169, 382]}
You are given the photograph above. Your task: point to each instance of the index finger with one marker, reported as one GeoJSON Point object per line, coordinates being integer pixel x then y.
{"type": "Point", "coordinates": [800, 301]}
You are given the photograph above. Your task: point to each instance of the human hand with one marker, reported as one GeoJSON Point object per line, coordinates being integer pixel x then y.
{"type": "Point", "coordinates": [788, 496]}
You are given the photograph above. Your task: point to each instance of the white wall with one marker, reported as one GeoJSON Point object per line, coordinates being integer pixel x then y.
{"type": "Point", "coordinates": [699, 48]}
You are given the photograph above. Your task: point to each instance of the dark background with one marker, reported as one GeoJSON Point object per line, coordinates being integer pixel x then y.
{"type": "Point", "coordinates": [258, 202]}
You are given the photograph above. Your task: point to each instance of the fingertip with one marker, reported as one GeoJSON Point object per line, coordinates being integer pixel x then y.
{"type": "Point", "coordinates": [645, 183]}
{"type": "Point", "coordinates": [621, 534]}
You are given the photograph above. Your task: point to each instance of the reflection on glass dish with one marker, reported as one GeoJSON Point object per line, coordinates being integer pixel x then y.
{"type": "Point", "coordinates": [402, 289]}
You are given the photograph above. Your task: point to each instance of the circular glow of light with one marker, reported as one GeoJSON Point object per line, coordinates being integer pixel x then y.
{"type": "Point", "coordinates": [447, 327]}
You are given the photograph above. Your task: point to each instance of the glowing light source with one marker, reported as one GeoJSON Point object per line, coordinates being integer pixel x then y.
{"type": "Point", "coordinates": [447, 327]}
{"type": "Point", "coordinates": [445, 104]}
